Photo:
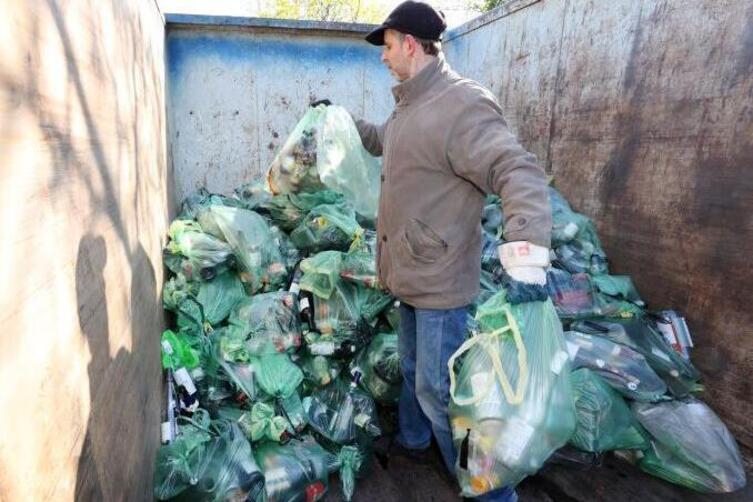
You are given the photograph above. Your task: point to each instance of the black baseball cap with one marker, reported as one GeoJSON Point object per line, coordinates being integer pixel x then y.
{"type": "Point", "coordinates": [412, 18]}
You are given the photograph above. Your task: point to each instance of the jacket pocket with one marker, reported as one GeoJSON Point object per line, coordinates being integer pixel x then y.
{"type": "Point", "coordinates": [422, 243]}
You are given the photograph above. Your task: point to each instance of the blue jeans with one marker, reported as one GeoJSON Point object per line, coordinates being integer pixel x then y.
{"type": "Point", "coordinates": [426, 341]}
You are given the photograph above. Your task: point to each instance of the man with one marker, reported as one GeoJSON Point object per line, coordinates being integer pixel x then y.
{"type": "Point", "coordinates": [444, 147]}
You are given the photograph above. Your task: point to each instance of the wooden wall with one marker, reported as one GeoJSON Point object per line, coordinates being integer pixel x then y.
{"type": "Point", "coordinates": [83, 206]}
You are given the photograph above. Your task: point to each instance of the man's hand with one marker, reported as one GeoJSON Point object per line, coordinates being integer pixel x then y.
{"type": "Point", "coordinates": [526, 265]}
{"type": "Point", "coordinates": [325, 102]}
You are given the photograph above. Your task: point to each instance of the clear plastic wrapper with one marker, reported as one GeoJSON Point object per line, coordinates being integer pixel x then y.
{"type": "Point", "coordinates": [623, 368]}
{"type": "Point", "coordinates": [603, 421]}
{"type": "Point", "coordinates": [511, 400]}
{"type": "Point", "coordinates": [691, 446]}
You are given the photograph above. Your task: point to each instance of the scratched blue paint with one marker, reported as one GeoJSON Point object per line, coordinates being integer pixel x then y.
{"type": "Point", "coordinates": [256, 50]}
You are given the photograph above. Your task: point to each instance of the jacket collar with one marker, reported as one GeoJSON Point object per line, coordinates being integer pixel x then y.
{"type": "Point", "coordinates": [409, 90]}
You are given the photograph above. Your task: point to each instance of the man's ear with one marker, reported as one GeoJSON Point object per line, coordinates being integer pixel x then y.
{"type": "Point", "coordinates": [411, 45]}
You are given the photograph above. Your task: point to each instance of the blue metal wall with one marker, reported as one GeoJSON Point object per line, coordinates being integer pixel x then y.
{"type": "Point", "coordinates": [237, 87]}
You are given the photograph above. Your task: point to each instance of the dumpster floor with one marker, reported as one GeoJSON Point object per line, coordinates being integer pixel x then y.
{"type": "Point", "coordinates": [615, 480]}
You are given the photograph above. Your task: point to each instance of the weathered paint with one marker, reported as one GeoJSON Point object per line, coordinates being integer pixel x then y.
{"type": "Point", "coordinates": [236, 91]}
{"type": "Point", "coordinates": [643, 112]}
{"type": "Point", "coordinates": [83, 206]}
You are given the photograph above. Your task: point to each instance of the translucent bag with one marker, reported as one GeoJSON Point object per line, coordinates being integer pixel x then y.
{"type": "Point", "coordinates": [572, 294]}
{"type": "Point", "coordinates": [566, 223]}
{"type": "Point", "coordinates": [295, 472]}
{"type": "Point", "coordinates": [692, 447]}
{"type": "Point", "coordinates": [351, 461]}
{"type": "Point", "coordinates": [359, 263]}
{"type": "Point", "coordinates": [279, 378]}
{"type": "Point", "coordinates": [321, 273]}
{"type": "Point", "coordinates": [350, 312]}
{"type": "Point", "coordinates": [341, 411]}
{"type": "Point", "coordinates": [617, 296]}
{"type": "Point", "coordinates": [379, 365]}
{"type": "Point", "coordinates": [260, 423]}
{"type": "Point", "coordinates": [219, 295]}
{"type": "Point", "coordinates": [318, 370]}
{"type": "Point", "coordinates": [201, 250]}
{"type": "Point", "coordinates": [326, 227]}
{"type": "Point", "coordinates": [603, 421]}
{"type": "Point", "coordinates": [288, 209]}
{"type": "Point", "coordinates": [265, 323]}
{"type": "Point", "coordinates": [252, 242]}
{"type": "Point", "coordinates": [624, 369]}
{"type": "Point", "coordinates": [220, 468]}
{"type": "Point", "coordinates": [326, 149]}
{"type": "Point", "coordinates": [202, 199]}
{"type": "Point", "coordinates": [179, 296]}
{"type": "Point", "coordinates": [639, 334]}
{"type": "Point", "coordinates": [511, 400]}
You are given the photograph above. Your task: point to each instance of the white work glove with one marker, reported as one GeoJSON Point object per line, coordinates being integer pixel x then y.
{"type": "Point", "coordinates": [525, 262]}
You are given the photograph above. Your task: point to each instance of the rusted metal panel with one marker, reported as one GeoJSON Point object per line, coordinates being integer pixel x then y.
{"type": "Point", "coordinates": [651, 134]}
{"type": "Point", "coordinates": [83, 204]}
{"type": "Point", "coordinates": [236, 92]}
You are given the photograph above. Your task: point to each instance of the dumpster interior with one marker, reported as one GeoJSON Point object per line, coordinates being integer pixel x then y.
{"type": "Point", "coordinates": [114, 112]}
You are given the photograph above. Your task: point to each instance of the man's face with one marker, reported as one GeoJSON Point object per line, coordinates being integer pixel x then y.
{"type": "Point", "coordinates": [396, 55]}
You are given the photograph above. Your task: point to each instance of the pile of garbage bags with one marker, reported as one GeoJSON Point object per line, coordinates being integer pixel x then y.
{"type": "Point", "coordinates": [282, 342]}
{"type": "Point", "coordinates": [629, 385]}
{"type": "Point", "coordinates": [282, 347]}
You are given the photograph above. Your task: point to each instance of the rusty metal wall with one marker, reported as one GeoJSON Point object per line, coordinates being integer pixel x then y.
{"type": "Point", "coordinates": [643, 112]}
{"type": "Point", "coordinates": [238, 86]}
{"type": "Point", "coordinates": [83, 205]}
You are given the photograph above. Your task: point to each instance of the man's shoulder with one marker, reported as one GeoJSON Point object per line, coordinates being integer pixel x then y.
{"type": "Point", "coordinates": [468, 90]}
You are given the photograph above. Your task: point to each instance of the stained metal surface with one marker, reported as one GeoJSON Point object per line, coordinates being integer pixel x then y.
{"type": "Point", "coordinates": [643, 112]}
{"type": "Point", "coordinates": [235, 93]}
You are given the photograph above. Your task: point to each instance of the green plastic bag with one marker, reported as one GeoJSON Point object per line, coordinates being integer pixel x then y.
{"type": "Point", "coordinates": [202, 199]}
{"type": "Point", "coordinates": [350, 313]}
{"type": "Point", "coordinates": [623, 368]}
{"type": "Point", "coordinates": [179, 296]}
{"type": "Point", "coordinates": [617, 296]}
{"type": "Point", "coordinates": [321, 273]}
{"type": "Point", "coordinates": [640, 335]}
{"type": "Point", "coordinates": [573, 295]}
{"type": "Point", "coordinates": [326, 149]}
{"type": "Point", "coordinates": [297, 471]}
{"type": "Point", "coordinates": [351, 460]}
{"type": "Point", "coordinates": [278, 377]}
{"type": "Point", "coordinates": [327, 227]}
{"type": "Point", "coordinates": [230, 471]}
{"type": "Point", "coordinates": [288, 210]}
{"type": "Point", "coordinates": [252, 242]}
{"type": "Point", "coordinates": [342, 413]}
{"type": "Point", "coordinates": [511, 400]}
{"type": "Point", "coordinates": [201, 250]}
{"type": "Point", "coordinates": [219, 295]}
{"type": "Point", "coordinates": [379, 365]}
{"type": "Point", "coordinates": [179, 463]}
{"type": "Point", "coordinates": [263, 324]}
{"type": "Point", "coordinates": [260, 423]}
{"type": "Point", "coordinates": [359, 263]}
{"type": "Point", "coordinates": [692, 447]}
{"type": "Point", "coordinates": [177, 351]}
{"type": "Point", "coordinates": [603, 421]}
{"type": "Point", "coordinates": [566, 223]}
{"type": "Point", "coordinates": [318, 371]}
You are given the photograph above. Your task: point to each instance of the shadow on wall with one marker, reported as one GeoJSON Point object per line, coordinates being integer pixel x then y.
{"type": "Point", "coordinates": [113, 435]}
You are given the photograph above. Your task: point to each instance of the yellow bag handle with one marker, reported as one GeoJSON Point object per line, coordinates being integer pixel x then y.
{"type": "Point", "coordinates": [490, 344]}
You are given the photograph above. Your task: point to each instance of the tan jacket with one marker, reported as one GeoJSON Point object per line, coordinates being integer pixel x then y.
{"type": "Point", "coordinates": [445, 146]}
